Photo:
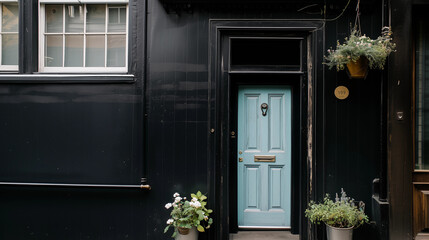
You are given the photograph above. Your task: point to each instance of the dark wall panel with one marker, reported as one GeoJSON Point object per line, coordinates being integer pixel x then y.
{"type": "Point", "coordinates": [176, 98]}
{"type": "Point", "coordinates": [400, 99]}
{"type": "Point", "coordinates": [94, 132]}
{"type": "Point", "coordinates": [40, 213]}
{"type": "Point", "coordinates": [352, 126]}
{"type": "Point", "coordinates": [69, 133]}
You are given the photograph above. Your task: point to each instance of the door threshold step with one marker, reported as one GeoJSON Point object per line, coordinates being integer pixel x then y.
{"type": "Point", "coordinates": [263, 235]}
{"type": "Point", "coordinates": [264, 227]}
{"type": "Point", "coordinates": [420, 236]}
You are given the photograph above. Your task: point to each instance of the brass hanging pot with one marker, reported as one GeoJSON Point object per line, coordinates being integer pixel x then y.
{"type": "Point", "coordinates": [358, 69]}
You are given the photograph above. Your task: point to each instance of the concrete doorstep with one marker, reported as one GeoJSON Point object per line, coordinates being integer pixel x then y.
{"type": "Point", "coordinates": [263, 235]}
{"type": "Point", "coordinates": [422, 236]}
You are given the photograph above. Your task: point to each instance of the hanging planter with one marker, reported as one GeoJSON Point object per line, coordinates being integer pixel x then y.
{"type": "Point", "coordinates": [358, 69]}
{"type": "Point", "coordinates": [359, 52]}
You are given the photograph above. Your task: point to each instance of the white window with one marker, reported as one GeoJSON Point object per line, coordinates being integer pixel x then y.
{"type": "Point", "coordinates": [9, 36]}
{"type": "Point", "coordinates": [83, 37]}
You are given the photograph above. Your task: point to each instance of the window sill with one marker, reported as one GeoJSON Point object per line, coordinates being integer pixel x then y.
{"type": "Point", "coordinates": [67, 78]}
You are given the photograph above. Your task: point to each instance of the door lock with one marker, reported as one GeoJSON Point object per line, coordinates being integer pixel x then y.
{"type": "Point", "coordinates": [232, 134]}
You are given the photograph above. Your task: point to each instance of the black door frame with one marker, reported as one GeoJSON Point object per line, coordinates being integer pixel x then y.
{"type": "Point", "coordinates": [222, 119]}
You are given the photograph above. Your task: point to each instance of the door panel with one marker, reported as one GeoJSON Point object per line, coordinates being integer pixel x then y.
{"type": "Point", "coordinates": [264, 151]}
{"type": "Point", "coordinates": [252, 125]}
{"type": "Point", "coordinates": [252, 190]}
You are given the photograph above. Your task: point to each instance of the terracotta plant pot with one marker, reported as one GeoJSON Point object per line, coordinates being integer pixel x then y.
{"type": "Point", "coordinates": [358, 69]}
{"type": "Point", "coordinates": [187, 234]}
{"type": "Point", "coordinates": [183, 231]}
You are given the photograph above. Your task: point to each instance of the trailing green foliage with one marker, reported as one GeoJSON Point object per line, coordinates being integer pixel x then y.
{"type": "Point", "coordinates": [356, 46]}
{"type": "Point", "coordinates": [188, 214]}
{"type": "Point", "coordinates": [341, 213]}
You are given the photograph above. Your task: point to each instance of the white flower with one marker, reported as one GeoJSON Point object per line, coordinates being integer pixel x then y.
{"type": "Point", "coordinates": [174, 205]}
{"type": "Point", "coordinates": [176, 195]}
{"type": "Point", "coordinates": [205, 218]}
{"type": "Point", "coordinates": [177, 199]}
{"type": "Point", "coordinates": [197, 204]}
{"type": "Point", "coordinates": [168, 205]}
{"type": "Point", "coordinates": [194, 199]}
{"type": "Point", "coordinates": [192, 204]}
{"type": "Point", "coordinates": [170, 221]}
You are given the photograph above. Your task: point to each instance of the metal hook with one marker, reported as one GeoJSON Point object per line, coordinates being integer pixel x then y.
{"type": "Point", "coordinates": [264, 109]}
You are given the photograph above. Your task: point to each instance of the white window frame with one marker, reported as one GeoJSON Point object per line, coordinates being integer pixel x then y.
{"type": "Point", "coordinates": [43, 68]}
{"type": "Point", "coordinates": [7, 68]}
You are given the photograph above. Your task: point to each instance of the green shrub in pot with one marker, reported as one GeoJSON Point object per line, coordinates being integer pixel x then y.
{"type": "Point", "coordinates": [341, 213]}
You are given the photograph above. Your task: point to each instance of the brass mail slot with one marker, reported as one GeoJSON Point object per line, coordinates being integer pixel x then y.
{"type": "Point", "coordinates": [265, 158]}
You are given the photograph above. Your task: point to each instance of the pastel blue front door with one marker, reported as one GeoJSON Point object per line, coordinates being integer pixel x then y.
{"type": "Point", "coordinates": [264, 152]}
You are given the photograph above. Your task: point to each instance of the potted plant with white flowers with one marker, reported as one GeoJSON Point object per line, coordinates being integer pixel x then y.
{"type": "Point", "coordinates": [359, 52]}
{"type": "Point", "coordinates": [340, 217]}
{"type": "Point", "coordinates": [188, 216]}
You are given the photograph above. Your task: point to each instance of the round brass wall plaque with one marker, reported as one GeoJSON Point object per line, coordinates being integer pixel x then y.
{"type": "Point", "coordinates": [341, 92]}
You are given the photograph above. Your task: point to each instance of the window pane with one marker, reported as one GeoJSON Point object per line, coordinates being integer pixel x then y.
{"type": "Point", "coordinates": [54, 51]}
{"type": "Point", "coordinates": [74, 18]}
{"type": "Point", "coordinates": [74, 51]}
{"type": "Point", "coordinates": [54, 18]}
{"type": "Point", "coordinates": [117, 19]}
{"type": "Point", "coordinates": [9, 47]}
{"type": "Point", "coordinates": [422, 96]}
{"type": "Point", "coordinates": [10, 17]}
{"type": "Point", "coordinates": [94, 51]}
{"type": "Point", "coordinates": [284, 53]}
{"type": "Point", "coordinates": [85, 35]}
{"type": "Point", "coordinates": [96, 17]}
{"type": "Point", "coordinates": [116, 50]}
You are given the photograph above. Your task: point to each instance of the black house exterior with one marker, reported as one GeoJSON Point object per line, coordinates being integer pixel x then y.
{"type": "Point", "coordinates": [103, 117]}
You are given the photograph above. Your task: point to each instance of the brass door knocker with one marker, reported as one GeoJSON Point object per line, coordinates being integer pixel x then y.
{"type": "Point", "coordinates": [264, 109]}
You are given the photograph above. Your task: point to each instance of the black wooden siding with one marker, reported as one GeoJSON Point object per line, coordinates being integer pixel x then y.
{"type": "Point", "coordinates": [158, 127]}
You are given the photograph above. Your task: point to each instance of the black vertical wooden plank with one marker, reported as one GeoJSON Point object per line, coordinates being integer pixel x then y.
{"type": "Point", "coordinates": [400, 155]}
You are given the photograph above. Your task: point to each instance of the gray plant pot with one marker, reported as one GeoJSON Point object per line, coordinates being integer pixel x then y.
{"type": "Point", "coordinates": [334, 233]}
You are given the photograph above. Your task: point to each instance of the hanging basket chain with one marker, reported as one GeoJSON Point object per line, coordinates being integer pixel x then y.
{"type": "Point", "coordinates": [357, 26]}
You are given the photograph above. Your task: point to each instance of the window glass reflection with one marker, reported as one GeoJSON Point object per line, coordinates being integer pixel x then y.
{"type": "Point", "coordinates": [96, 17]}
{"type": "Point", "coordinates": [74, 18]}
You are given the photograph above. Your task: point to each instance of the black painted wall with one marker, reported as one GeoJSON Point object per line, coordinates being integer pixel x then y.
{"type": "Point", "coordinates": [352, 134]}
{"type": "Point", "coordinates": [157, 127]}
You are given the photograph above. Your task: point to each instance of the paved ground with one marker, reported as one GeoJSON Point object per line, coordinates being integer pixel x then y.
{"type": "Point", "coordinates": [264, 235]}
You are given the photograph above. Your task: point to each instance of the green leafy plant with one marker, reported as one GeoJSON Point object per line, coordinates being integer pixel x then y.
{"type": "Point", "coordinates": [187, 214]}
{"type": "Point", "coordinates": [341, 214]}
{"type": "Point", "coordinates": [357, 46]}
